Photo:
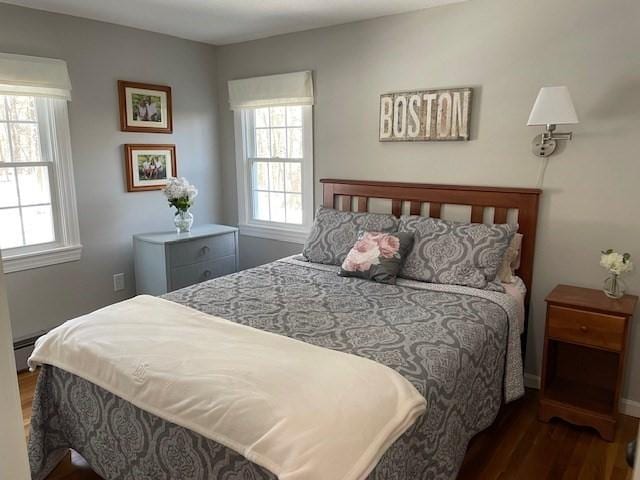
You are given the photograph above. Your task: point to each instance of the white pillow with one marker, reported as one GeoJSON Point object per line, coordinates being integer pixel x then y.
{"type": "Point", "coordinates": [511, 260]}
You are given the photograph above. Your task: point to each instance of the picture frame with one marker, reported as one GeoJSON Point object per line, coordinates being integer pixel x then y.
{"type": "Point", "coordinates": [149, 167]}
{"type": "Point", "coordinates": [145, 107]}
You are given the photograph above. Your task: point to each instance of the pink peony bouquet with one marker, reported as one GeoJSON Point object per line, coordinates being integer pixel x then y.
{"type": "Point", "coordinates": [369, 249]}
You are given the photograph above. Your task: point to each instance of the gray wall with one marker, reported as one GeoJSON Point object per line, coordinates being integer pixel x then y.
{"type": "Point", "coordinates": [507, 50]}
{"type": "Point", "coordinates": [99, 54]}
{"type": "Point", "coordinates": [257, 251]}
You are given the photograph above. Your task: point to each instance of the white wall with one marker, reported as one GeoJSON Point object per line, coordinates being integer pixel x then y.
{"type": "Point", "coordinates": [99, 54]}
{"type": "Point", "coordinates": [13, 448]}
{"type": "Point", "coordinates": [507, 50]}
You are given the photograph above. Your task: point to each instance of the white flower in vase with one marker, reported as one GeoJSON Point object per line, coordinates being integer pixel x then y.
{"type": "Point", "coordinates": [616, 264]}
{"type": "Point", "coordinates": [180, 194]}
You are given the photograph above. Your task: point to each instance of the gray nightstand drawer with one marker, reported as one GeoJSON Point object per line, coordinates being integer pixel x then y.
{"type": "Point", "coordinates": [201, 250]}
{"type": "Point", "coordinates": [199, 272]}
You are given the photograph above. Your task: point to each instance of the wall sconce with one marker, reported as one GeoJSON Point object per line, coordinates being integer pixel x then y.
{"type": "Point", "coordinates": [552, 107]}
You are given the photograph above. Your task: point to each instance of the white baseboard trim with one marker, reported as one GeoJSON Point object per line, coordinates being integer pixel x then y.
{"type": "Point", "coordinates": [627, 407]}
{"type": "Point", "coordinates": [630, 407]}
{"type": "Point", "coordinates": [532, 381]}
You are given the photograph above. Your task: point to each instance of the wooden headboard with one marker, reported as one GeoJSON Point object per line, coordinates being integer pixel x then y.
{"type": "Point", "coordinates": [354, 195]}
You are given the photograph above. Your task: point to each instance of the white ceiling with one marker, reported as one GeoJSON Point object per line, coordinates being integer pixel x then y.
{"type": "Point", "coordinates": [227, 21]}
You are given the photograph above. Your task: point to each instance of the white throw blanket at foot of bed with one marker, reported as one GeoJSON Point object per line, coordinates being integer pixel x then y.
{"type": "Point", "coordinates": [301, 411]}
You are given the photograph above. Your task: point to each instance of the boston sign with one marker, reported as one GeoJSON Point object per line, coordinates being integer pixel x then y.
{"type": "Point", "coordinates": [425, 115]}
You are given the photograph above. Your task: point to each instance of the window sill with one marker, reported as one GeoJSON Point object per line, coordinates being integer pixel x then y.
{"type": "Point", "coordinates": [53, 256]}
{"type": "Point", "coordinates": [275, 233]}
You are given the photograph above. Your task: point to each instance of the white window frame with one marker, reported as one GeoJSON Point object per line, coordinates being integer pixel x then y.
{"type": "Point", "coordinates": [53, 120]}
{"type": "Point", "coordinates": [284, 232]}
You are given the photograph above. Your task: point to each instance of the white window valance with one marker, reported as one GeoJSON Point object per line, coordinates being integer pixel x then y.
{"type": "Point", "coordinates": [272, 90]}
{"type": "Point", "coordinates": [36, 76]}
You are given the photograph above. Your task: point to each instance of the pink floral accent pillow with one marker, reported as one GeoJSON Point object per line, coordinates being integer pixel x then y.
{"type": "Point", "coordinates": [377, 256]}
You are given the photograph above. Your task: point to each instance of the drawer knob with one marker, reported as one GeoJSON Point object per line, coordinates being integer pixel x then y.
{"type": "Point", "coordinates": [207, 274]}
{"type": "Point", "coordinates": [583, 328]}
{"type": "Point", "coordinates": [205, 250]}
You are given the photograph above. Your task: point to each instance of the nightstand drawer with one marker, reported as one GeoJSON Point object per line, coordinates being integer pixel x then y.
{"type": "Point", "coordinates": [191, 274]}
{"type": "Point", "coordinates": [201, 249]}
{"type": "Point", "coordinates": [587, 328]}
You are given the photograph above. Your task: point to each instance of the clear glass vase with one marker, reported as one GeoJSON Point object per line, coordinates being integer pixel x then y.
{"type": "Point", "coordinates": [613, 286]}
{"type": "Point", "coordinates": [183, 221]}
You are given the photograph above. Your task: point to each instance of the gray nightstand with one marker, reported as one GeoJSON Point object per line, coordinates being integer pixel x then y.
{"type": "Point", "coordinates": [168, 261]}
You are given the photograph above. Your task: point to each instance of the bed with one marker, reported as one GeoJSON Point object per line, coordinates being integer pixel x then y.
{"type": "Point", "coordinates": [458, 346]}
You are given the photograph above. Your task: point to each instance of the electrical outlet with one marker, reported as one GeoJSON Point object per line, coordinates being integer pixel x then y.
{"type": "Point", "coordinates": [118, 282]}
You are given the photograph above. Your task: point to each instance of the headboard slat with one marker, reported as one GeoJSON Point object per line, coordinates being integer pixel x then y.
{"type": "Point", "coordinates": [477, 214]}
{"type": "Point", "coordinates": [435, 209]}
{"type": "Point", "coordinates": [363, 204]}
{"type": "Point", "coordinates": [345, 203]}
{"type": "Point", "coordinates": [396, 207]}
{"type": "Point", "coordinates": [500, 215]}
{"type": "Point", "coordinates": [415, 208]}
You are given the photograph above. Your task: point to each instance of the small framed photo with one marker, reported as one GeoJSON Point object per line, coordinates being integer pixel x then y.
{"type": "Point", "coordinates": [149, 167]}
{"type": "Point", "coordinates": [145, 107]}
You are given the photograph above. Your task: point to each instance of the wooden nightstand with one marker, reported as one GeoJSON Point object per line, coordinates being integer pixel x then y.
{"type": "Point", "coordinates": [584, 348]}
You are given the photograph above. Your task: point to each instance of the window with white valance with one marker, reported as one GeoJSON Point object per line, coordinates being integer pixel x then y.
{"type": "Point", "coordinates": [38, 213]}
{"type": "Point", "coordinates": [271, 90]}
{"type": "Point", "coordinates": [34, 76]}
{"type": "Point", "coordinates": [274, 155]}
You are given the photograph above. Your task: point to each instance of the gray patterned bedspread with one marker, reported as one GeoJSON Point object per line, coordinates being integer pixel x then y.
{"type": "Point", "coordinates": [452, 346]}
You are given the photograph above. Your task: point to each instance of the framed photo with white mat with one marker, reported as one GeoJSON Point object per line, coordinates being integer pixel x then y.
{"type": "Point", "coordinates": [145, 107]}
{"type": "Point", "coordinates": [149, 167]}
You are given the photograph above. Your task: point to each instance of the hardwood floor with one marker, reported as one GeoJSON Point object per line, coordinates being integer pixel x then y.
{"type": "Point", "coordinates": [516, 446]}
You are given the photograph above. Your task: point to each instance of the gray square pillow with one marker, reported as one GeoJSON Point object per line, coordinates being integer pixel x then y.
{"type": "Point", "coordinates": [334, 233]}
{"type": "Point", "coordinates": [454, 253]}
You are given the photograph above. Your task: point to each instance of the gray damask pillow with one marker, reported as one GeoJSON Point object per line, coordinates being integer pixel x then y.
{"type": "Point", "coordinates": [454, 253]}
{"type": "Point", "coordinates": [334, 233]}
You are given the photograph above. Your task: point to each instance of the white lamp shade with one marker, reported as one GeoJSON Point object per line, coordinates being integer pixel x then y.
{"type": "Point", "coordinates": [553, 106]}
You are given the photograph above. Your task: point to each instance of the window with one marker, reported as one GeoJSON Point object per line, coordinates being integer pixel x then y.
{"type": "Point", "coordinates": [275, 171]}
{"type": "Point", "coordinates": [38, 219]}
